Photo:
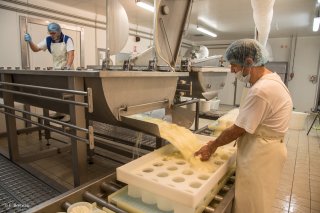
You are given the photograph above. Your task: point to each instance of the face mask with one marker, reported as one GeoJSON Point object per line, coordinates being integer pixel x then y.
{"type": "Point", "coordinates": [240, 77]}
{"type": "Point", "coordinates": [55, 36]}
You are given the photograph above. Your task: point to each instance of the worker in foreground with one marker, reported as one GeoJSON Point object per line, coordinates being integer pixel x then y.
{"type": "Point", "coordinates": [259, 129]}
{"type": "Point", "coordinates": [59, 45]}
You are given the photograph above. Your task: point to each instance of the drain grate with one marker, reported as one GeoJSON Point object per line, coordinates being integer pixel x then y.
{"type": "Point", "coordinates": [9, 204]}
{"type": "Point", "coordinates": [19, 190]}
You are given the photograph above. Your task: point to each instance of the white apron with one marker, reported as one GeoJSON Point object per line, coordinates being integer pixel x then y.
{"type": "Point", "coordinates": [59, 54]}
{"type": "Point", "coordinates": [260, 159]}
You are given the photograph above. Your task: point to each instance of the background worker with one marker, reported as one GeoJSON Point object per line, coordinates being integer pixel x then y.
{"type": "Point", "coordinates": [62, 50]}
{"type": "Point", "coordinates": [59, 45]}
{"type": "Point", "coordinates": [259, 129]}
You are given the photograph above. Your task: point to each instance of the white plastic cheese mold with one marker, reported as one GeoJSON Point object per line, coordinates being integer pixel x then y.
{"type": "Point", "coordinates": [170, 182]}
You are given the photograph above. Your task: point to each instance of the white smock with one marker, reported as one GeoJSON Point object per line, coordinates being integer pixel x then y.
{"type": "Point", "coordinates": [260, 159]}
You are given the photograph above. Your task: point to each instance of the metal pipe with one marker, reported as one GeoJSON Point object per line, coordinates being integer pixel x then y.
{"type": "Point", "coordinates": [183, 90]}
{"type": "Point", "coordinates": [107, 59]}
{"type": "Point", "coordinates": [196, 122]}
{"type": "Point", "coordinates": [101, 202]}
{"type": "Point", "coordinates": [45, 97]}
{"type": "Point", "coordinates": [34, 6]}
{"type": "Point", "coordinates": [209, 209]}
{"type": "Point", "coordinates": [46, 88]}
{"type": "Point", "coordinates": [126, 108]}
{"type": "Point", "coordinates": [45, 118]}
{"type": "Point", "coordinates": [218, 198]}
{"type": "Point", "coordinates": [66, 205]}
{"type": "Point", "coordinates": [232, 179]}
{"type": "Point", "coordinates": [154, 34]}
{"type": "Point", "coordinates": [226, 188]}
{"type": "Point", "coordinates": [108, 188]}
{"type": "Point", "coordinates": [47, 16]}
{"type": "Point", "coordinates": [186, 102]}
{"type": "Point", "coordinates": [46, 127]}
{"type": "Point", "coordinates": [72, 21]}
{"type": "Point", "coordinates": [227, 202]}
{"type": "Point", "coordinates": [185, 84]}
{"type": "Point", "coordinates": [118, 185]}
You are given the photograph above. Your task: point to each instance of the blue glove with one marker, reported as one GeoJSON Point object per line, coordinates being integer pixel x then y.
{"type": "Point", "coordinates": [27, 37]}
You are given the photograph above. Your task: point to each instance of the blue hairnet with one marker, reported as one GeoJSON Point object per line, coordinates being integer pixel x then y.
{"type": "Point", "coordinates": [54, 27]}
{"type": "Point", "coordinates": [238, 51]}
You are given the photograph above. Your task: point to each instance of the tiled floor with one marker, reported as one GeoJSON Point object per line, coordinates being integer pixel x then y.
{"type": "Point", "coordinates": [298, 192]}
{"type": "Point", "coordinates": [299, 188]}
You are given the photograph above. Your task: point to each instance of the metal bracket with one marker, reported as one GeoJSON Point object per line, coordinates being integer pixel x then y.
{"type": "Point", "coordinates": [126, 108]}
{"type": "Point", "coordinates": [90, 100]}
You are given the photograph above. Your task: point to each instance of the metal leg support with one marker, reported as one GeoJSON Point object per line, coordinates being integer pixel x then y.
{"type": "Point", "coordinates": [47, 123]}
{"type": "Point", "coordinates": [196, 123]}
{"type": "Point", "coordinates": [10, 121]}
{"type": "Point", "coordinates": [79, 148]}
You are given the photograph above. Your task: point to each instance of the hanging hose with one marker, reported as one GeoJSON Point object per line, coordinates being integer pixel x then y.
{"type": "Point", "coordinates": [262, 15]}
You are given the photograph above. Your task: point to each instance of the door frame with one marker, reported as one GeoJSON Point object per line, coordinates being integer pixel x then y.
{"type": "Point", "coordinates": [23, 23]}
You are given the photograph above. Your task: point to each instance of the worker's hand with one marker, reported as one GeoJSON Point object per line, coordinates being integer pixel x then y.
{"type": "Point", "coordinates": [206, 151]}
{"type": "Point", "coordinates": [27, 37]}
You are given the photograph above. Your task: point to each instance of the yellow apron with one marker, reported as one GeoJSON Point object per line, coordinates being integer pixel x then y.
{"type": "Point", "coordinates": [59, 54]}
{"type": "Point", "coordinates": [260, 159]}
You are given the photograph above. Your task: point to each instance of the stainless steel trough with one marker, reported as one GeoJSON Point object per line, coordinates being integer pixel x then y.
{"type": "Point", "coordinates": [115, 94]}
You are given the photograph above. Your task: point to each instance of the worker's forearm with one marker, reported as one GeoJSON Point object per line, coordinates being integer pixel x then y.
{"type": "Point", "coordinates": [228, 135]}
{"type": "Point", "coordinates": [70, 58]}
{"type": "Point", "coordinates": [34, 47]}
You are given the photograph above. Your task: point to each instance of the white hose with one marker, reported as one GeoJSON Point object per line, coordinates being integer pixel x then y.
{"type": "Point", "coordinates": [262, 15]}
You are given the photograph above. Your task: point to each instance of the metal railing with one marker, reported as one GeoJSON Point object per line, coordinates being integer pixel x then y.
{"type": "Point", "coordinates": [42, 119]}
{"type": "Point", "coordinates": [89, 131]}
{"type": "Point", "coordinates": [88, 94]}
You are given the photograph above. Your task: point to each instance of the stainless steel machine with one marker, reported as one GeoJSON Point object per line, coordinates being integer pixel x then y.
{"type": "Point", "coordinates": [95, 95]}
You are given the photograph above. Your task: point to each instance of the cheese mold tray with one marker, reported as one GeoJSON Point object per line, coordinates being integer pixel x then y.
{"type": "Point", "coordinates": [164, 178]}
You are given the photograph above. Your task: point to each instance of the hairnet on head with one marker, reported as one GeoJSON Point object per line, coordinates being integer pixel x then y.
{"type": "Point", "coordinates": [238, 51]}
{"type": "Point", "coordinates": [54, 27]}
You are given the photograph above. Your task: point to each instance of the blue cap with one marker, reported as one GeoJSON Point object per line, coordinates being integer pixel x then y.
{"type": "Point", "coordinates": [54, 27]}
{"type": "Point", "coordinates": [238, 51]}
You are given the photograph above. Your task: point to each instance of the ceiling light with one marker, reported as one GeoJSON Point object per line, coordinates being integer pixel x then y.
{"type": "Point", "coordinates": [145, 6]}
{"type": "Point", "coordinates": [205, 31]}
{"type": "Point", "coordinates": [316, 23]}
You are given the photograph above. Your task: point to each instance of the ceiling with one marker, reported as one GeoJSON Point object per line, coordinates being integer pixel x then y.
{"type": "Point", "coordinates": [229, 19]}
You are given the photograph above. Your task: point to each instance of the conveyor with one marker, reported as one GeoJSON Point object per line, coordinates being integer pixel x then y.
{"type": "Point", "coordinates": [98, 191]}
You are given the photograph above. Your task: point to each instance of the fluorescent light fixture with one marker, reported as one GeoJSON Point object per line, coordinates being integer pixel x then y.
{"type": "Point", "coordinates": [145, 6]}
{"type": "Point", "coordinates": [316, 23]}
{"type": "Point", "coordinates": [205, 31]}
